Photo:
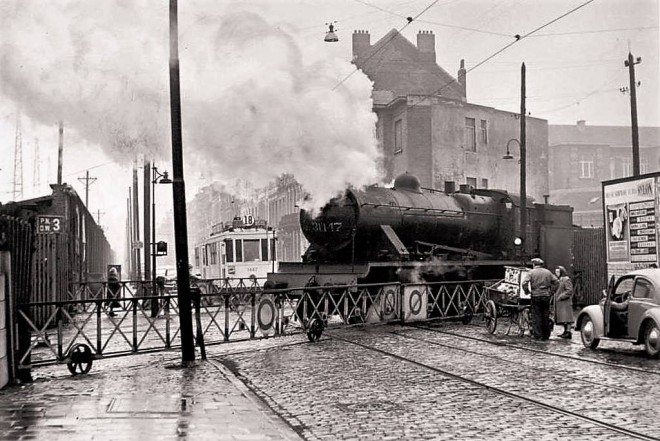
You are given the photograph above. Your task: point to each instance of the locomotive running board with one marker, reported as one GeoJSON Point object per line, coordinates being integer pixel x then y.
{"type": "Point", "coordinates": [395, 241]}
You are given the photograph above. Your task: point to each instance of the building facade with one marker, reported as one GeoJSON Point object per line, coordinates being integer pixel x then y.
{"type": "Point", "coordinates": [426, 126]}
{"type": "Point", "coordinates": [582, 156]}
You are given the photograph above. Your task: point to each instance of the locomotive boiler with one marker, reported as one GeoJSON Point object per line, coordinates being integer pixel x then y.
{"type": "Point", "coordinates": [409, 233]}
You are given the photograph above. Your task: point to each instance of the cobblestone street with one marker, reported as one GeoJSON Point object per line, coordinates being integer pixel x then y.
{"type": "Point", "coordinates": [453, 387]}
{"type": "Point", "coordinates": [440, 381]}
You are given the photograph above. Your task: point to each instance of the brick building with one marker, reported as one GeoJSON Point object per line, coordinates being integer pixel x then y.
{"type": "Point", "coordinates": [581, 156]}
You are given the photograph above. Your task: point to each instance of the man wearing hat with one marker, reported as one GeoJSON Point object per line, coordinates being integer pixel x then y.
{"type": "Point", "coordinates": [541, 283]}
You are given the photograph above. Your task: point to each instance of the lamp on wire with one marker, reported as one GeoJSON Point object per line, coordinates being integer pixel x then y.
{"type": "Point", "coordinates": [330, 36]}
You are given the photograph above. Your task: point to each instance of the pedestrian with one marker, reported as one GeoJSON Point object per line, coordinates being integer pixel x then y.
{"type": "Point", "coordinates": [564, 302]}
{"type": "Point", "coordinates": [540, 283]}
{"type": "Point", "coordinates": [114, 286]}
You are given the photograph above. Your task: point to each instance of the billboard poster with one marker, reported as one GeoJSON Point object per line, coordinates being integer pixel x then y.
{"type": "Point", "coordinates": [617, 232]}
{"type": "Point", "coordinates": [642, 232]}
{"type": "Point", "coordinates": [630, 221]}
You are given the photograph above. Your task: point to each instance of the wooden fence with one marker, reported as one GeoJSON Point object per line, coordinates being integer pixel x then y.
{"type": "Point", "coordinates": [589, 265]}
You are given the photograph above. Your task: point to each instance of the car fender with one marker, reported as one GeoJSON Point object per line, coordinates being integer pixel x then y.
{"type": "Point", "coordinates": [652, 314]}
{"type": "Point", "coordinates": [595, 313]}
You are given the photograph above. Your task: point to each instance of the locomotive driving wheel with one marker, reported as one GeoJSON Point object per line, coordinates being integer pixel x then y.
{"type": "Point", "coordinates": [490, 316]}
{"type": "Point", "coordinates": [80, 359]}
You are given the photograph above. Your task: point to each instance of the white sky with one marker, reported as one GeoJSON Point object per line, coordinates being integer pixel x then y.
{"type": "Point", "coordinates": [66, 63]}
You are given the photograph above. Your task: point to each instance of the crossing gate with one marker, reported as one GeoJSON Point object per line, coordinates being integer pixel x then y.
{"type": "Point", "coordinates": [415, 302]}
{"type": "Point", "coordinates": [227, 312]}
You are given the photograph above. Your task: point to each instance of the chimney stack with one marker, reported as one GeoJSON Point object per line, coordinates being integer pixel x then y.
{"type": "Point", "coordinates": [426, 45]}
{"type": "Point", "coordinates": [462, 79]}
{"type": "Point", "coordinates": [60, 152]}
{"type": "Point", "coordinates": [361, 44]}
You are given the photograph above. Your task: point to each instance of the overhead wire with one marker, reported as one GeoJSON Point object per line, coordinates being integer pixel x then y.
{"type": "Point", "coordinates": [596, 31]}
{"type": "Point", "coordinates": [517, 39]}
{"type": "Point", "coordinates": [577, 102]}
{"type": "Point", "coordinates": [409, 21]}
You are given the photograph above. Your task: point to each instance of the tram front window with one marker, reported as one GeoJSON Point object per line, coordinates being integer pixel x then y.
{"type": "Point", "coordinates": [251, 250]}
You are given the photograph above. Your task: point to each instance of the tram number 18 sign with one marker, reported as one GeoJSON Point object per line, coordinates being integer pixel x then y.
{"type": "Point", "coordinates": [50, 224]}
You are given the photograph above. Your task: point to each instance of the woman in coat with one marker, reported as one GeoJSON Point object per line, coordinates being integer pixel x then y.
{"type": "Point", "coordinates": [564, 302]}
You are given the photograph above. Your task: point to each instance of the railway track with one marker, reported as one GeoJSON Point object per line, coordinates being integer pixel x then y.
{"type": "Point", "coordinates": [540, 351]}
{"type": "Point", "coordinates": [495, 357]}
{"type": "Point", "coordinates": [497, 390]}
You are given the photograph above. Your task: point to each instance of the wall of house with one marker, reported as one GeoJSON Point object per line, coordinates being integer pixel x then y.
{"type": "Point", "coordinates": [453, 161]}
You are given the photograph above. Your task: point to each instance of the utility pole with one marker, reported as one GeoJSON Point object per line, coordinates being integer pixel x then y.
{"type": "Point", "coordinates": [630, 64]}
{"type": "Point", "coordinates": [36, 169]}
{"type": "Point", "coordinates": [523, 161]}
{"type": "Point", "coordinates": [18, 161]}
{"type": "Point", "coordinates": [179, 197]}
{"type": "Point", "coordinates": [136, 225]}
{"type": "Point", "coordinates": [147, 221]}
{"type": "Point", "coordinates": [60, 153]}
{"type": "Point", "coordinates": [88, 181]}
{"type": "Point", "coordinates": [98, 216]}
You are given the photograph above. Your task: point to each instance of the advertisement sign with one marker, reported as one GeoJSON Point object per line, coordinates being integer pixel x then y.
{"type": "Point", "coordinates": [630, 218]}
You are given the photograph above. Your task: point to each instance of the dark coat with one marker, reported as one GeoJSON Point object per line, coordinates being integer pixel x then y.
{"type": "Point", "coordinates": [564, 301]}
{"type": "Point", "coordinates": [540, 281]}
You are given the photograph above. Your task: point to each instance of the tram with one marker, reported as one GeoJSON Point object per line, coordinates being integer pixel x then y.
{"type": "Point", "coordinates": [240, 250]}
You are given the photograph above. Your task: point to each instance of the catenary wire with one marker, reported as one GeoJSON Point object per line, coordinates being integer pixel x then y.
{"type": "Point", "coordinates": [386, 43]}
{"type": "Point", "coordinates": [499, 51]}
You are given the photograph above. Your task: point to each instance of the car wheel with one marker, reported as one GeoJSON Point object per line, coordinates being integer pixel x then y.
{"type": "Point", "coordinates": [652, 340]}
{"type": "Point", "coordinates": [588, 334]}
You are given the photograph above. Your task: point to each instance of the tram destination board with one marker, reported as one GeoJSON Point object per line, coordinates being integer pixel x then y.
{"type": "Point", "coordinates": [50, 224]}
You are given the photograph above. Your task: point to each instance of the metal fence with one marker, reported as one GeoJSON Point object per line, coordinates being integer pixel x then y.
{"type": "Point", "coordinates": [225, 312]}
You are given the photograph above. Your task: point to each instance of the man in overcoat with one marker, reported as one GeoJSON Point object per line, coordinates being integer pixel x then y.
{"type": "Point", "coordinates": [541, 284]}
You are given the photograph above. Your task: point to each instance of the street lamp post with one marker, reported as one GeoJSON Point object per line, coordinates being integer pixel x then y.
{"type": "Point", "coordinates": [522, 143]}
{"type": "Point", "coordinates": [523, 189]}
{"type": "Point", "coordinates": [156, 178]}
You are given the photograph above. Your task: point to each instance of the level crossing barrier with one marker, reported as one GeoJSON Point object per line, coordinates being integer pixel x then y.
{"type": "Point", "coordinates": [82, 327]}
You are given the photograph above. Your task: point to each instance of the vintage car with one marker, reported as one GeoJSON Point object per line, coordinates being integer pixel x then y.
{"type": "Point", "coordinates": [629, 311]}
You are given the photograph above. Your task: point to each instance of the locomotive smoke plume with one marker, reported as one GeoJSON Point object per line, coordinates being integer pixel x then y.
{"type": "Point", "coordinates": [431, 269]}
{"type": "Point", "coordinates": [253, 105]}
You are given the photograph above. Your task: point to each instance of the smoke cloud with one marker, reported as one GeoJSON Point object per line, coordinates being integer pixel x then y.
{"type": "Point", "coordinates": [253, 105]}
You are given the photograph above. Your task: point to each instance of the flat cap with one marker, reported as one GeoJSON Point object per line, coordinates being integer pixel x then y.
{"type": "Point", "coordinates": [537, 261]}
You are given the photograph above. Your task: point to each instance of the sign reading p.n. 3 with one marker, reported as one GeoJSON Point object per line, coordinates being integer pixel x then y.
{"type": "Point", "coordinates": [50, 224]}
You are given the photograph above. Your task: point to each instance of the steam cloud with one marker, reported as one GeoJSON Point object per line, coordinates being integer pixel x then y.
{"type": "Point", "coordinates": [253, 107]}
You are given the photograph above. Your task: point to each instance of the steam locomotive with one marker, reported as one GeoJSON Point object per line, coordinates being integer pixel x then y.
{"type": "Point", "coordinates": [408, 234]}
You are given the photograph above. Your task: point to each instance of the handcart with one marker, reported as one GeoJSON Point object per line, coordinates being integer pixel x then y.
{"type": "Point", "coordinates": [508, 303]}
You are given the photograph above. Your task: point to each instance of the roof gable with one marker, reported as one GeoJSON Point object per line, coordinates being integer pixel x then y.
{"type": "Point", "coordinates": [395, 64]}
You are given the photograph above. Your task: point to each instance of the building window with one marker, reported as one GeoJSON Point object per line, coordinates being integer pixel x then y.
{"type": "Point", "coordinates": [484, 183]}
{"type": "Point", "coordinates": [626, 167]}
{"type": "Point", "coordinates": [586, 169]}
{"type": "Point", "coordinates": [470, 135]}
{"type": "Point", "coordinates": [643, 166]}
{"type": "Point", "coordinates": [472, 182]}
{"type": "Point", "coordinates": [484, 131]}
{"type": "Point", "coordinates": [398, 136]}
{"type": "Point", "coordinates": [214, 253]}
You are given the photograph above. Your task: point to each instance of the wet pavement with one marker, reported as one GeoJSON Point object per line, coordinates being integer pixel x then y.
{"type": "Point", "coordinates": [147, 397]}
{"type": "Point", "coordinates": [432, 381]}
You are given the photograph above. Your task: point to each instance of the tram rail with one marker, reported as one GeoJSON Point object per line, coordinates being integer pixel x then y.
{"type": "Point", "coordinates": [503, 359]}
{"type": "Point", "coordinates": [499, 390]}
{"type": "Point", "coordinates": [530, 349]}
